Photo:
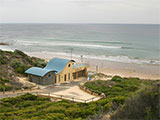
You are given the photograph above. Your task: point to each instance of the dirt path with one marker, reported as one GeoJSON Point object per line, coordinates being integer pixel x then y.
{"type": "Point", "coordinates": [16, 93]}
{"type": "Point", "coordinates": [68, 91]}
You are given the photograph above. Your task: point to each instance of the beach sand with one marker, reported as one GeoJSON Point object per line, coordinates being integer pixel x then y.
{"type": "Point", "coordinates": [143, 71]}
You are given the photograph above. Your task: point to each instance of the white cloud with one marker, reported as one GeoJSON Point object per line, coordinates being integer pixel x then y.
{"type": "Point", "coordinates": [80, 11]}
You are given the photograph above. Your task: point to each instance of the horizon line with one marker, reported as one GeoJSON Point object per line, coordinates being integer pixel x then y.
{"type": "Point", "coordinates": [75, 23]}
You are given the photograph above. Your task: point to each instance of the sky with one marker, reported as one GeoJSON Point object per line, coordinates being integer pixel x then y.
{"type": "Point", "coordinates": [80, 11]}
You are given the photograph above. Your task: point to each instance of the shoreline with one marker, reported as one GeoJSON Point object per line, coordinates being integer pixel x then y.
{"type": "Point", "coordinates": [143, 71]}
{"type": "Point", "coordinates": [112, 68]}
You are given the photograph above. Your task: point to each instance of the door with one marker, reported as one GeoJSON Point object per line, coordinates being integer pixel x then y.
{"type": "Point", "coordinates": [55, 79]}
{"type": "Point", "coordinates": [65, 77]}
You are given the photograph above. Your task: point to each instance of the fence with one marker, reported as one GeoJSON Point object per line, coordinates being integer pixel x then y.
{"type": "Point", "coordinates": [92, 92]}
{"type": "Point", "coordinates": [74, 99]}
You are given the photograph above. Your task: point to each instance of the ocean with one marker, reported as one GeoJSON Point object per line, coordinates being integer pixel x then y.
{"type": "Point", "coordinates": [127, 43]}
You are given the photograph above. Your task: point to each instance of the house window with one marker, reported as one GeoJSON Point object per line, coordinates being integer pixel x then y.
{"type": "Point", "coordinates": [59, 78]}
{"type": "Point", "coordinates": [49, 75]}
{"type": "Point", "coordinates": [68, 76]}
{"type": "Point", "coordinates": [69, 65]}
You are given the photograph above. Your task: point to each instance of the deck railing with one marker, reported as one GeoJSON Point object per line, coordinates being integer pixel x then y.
{"type": "Point", "coordinates": [74, 99]}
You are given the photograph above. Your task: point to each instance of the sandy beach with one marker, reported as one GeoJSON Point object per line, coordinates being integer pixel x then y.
{"type": "Point", "coordinates": [143, 71]}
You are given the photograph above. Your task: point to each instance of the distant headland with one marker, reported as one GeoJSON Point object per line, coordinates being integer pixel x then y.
{"type": "Point", "coordinates": [2, 43]}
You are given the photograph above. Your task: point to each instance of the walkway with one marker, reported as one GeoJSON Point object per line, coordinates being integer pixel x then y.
{"type": "Point", "coordinates": [69, 91]}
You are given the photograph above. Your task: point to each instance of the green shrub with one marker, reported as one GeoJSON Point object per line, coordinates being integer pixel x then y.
{"type": "Point", "coordinates": [39, 63]}
{"type": "Point", "coordinates": [4, 80]}
{"type": "Point", "coordinates": [28, 96]}
{"type": "Point", "coordinates": [18, 66]}
{"type": "Point", "coordinates": [21, 69]}
{"type": "Point", "coordinates": [119, 100]}
{"type": "Point", "coordinates": [107, 106]}
{"type": "Point", "coordinates": [4, 87]}
{"type": "Point", "coordinates": [143, 105]}
{"type": "Point", "coordinates": [28, 59]}
{"type": "Point", "coordinates": [12, 101]}
{"type": "Point", "coordinates": [103, 101]}
{"type": "Point", "coordinates": [117, 79]}
{"type": "Point", "coordinates": [2, 60]}
{"type": "Point", "coordinates": [15, 63]}
{"type": "Point", "coordinates": [18, 52]}
{"type": "Point", "coordinates": [54, 116]}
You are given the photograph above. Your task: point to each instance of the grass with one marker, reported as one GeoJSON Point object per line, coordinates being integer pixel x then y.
{"type": "Point", "coordinates": [31, 107]}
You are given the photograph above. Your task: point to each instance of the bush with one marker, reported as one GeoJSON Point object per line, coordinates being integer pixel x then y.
{"type": "Point", "coordinates": [55, 116]}
{"type": "Point", "coordinates": [119, 100]}
{"type": "Point", "coordinates": [28, 59]}
{"type": "Point", "coordinates": [18, 52]}
{"type": "Point", "coordinates": [39, 63]}
{"type": "Point", "coordinates": [2, 60]}
{"type": "Point", "coordinates": [28, 96]}
{"type": "Point", "coordinates": [15, 63]}
{"type": "Point", "coordinates": [4, 80]}
{"type": "Point", "coordinates": [3, 86]}
{"type": "Point", "coordinates": [143, 106]}
{"type": "Point", "coordinates": [18, 66]}
{"type": "Point", "coordinates": [107, 106]}
{"type": "Point", "coordinates": [117, 79]}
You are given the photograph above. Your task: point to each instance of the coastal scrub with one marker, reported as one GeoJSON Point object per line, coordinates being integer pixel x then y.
{"type": "Point", "coordinates": [13, 65]}
{"type": "Point", "coordinates": [117, 93]}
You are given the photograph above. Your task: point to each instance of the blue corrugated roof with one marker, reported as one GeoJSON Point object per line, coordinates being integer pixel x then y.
{"type": "Point", "coordinates": [55, 64]}
{"type": "Point", "coordinates": [37, 71]}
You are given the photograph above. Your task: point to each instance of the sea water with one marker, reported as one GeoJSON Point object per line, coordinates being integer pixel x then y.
{"type": "Point", "coordinates": [128, 43]}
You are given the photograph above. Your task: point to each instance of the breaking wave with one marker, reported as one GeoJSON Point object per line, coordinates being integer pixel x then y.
{"type": "Point", "coordinates": [94, 46]}
{"type": "Point", "coordinates": [122, 59]}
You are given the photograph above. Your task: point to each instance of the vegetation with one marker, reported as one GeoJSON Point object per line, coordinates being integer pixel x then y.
{"type": "Point", "coordinates": [117, 86]}
{"type": "Point", "coordinates": [3, 84]}
{"type": "Point", "coordinates": [117, 93]}
{"type": "Point", "coordinates": [142, 105]}
{"type": "Point", "coordinates": [13, 65]}
{"type": "Point", "coordinates": [32, 107]}
{"type": "Point", "coordinates": [134, 98]}
{"type": "Point", "coordinates": [18, 66]}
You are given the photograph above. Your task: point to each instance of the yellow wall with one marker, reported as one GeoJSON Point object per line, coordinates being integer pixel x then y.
{"type": "Point", "coordinates": [67, 70]}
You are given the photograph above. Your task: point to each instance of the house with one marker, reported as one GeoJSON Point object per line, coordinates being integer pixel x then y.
{"type": "Point", "coordinates": [57, 71]}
